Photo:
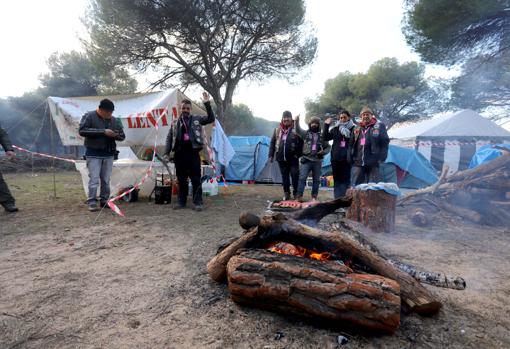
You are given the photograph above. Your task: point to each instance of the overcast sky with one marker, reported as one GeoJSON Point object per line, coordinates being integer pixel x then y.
{"type": "Point", "coordinates": [352, 35]}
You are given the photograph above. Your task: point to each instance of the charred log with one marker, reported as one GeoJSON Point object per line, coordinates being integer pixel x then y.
{"type": "Point", "coordinates": [414, 295]}
{"type": "Point", "coordinates": [313, 214]}
{"type": "Point", "coordinates": [217, 266]}
{"type": "Point", "coordinates": [431, 278]}
{"type": "Point", "coordinates": [314, 289]}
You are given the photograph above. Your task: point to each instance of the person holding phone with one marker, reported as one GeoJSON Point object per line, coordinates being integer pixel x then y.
{"type": "Point", "coordinates": [101, 131]}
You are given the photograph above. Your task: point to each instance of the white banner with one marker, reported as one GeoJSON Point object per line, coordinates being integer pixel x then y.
{"type": "Point", "coordinates": [138, 113]}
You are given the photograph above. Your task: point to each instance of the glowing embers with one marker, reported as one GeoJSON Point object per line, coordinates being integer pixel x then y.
{"type": "Point", "coordinates": [290, 249]}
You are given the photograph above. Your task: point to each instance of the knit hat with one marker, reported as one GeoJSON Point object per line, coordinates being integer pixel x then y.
{"type": "Point", "coordinates": [366, 109]}
{"type": "Point", "coordinates": [106, 104]}
{"type": "Point", "coordinates": [287, 114]}
{"type": "Point", "coordinates": [315, 119]}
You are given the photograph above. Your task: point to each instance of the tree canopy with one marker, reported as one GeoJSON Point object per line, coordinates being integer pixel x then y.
{"type": "Point", "coordinates": [214, 44]}
{"type": "Point", "coordinates": [70, 74]}
{"type": "Point", "coordinates": [396, 92]}
{"type": "Point", "coordinates": [452, 31]}
{"type": "Point", "coordinates": [472, 34]}
{"type": "Point", "coordinates": [75, 74]}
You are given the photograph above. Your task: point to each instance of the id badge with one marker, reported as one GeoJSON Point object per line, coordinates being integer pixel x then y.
{"type": "Point", "coordinates": [362, 142]}
{"type": "Point", "coordinates": [342, 144]}
{"type": "Point", "coordinates": [186, 137]}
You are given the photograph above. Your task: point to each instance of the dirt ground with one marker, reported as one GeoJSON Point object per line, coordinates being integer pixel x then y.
{"type": "Point", "coordinates": [74, 279]}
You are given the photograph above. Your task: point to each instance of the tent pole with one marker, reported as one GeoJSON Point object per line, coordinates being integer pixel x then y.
{"type": "Point", "coordinates": [52, 152]}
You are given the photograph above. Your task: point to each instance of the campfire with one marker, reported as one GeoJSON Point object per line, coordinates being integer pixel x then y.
{"type": "Point", "coordinates": [283, 265]}
{"type": "Point", "coordinates": [290, 249]}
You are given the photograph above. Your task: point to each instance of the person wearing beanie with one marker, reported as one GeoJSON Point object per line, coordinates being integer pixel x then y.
{"type": "Point", "coordinates": [286, 147]}
{"type": "Point", "coordinates": [368, 147]}
{"type": "Point", "coordinates": [100, 130]}
{"type": "Point", "coordinates": [6, 198]}
{"type": "Point", "coordinates": [314, 149]}
{"type": "Point", "coordinates": [340, 132]}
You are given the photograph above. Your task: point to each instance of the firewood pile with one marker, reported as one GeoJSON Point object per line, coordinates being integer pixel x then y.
{"type": "Point", "coordinates": [480, 195]}
{"type": "Point", "coordinates": [283, 265]}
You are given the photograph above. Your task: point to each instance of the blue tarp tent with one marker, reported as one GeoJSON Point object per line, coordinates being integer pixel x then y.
{"type": "Point", "coordinates": [487, 153]}
{"type": "Point", "coordinates": [406, 167]}
{"type": "Point", "coordinates": [251, 154]}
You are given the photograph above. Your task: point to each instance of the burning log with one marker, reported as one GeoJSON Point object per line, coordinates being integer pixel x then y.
{"type": "Point", "coordinates": [350, 229]}
{"type": "Point", "coordinates": [277, 227]}
{"type": "Point", "coordinates": [217, 266]}
{"type": "Point", "coordinates": [374, 208]}
{"type": "Point", "coordinates": [311, 288]}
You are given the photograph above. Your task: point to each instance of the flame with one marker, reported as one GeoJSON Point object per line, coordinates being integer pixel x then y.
{"type": "Point", "coordinates": [324, 256]}
{"type": "Point", "coordinates": [290, 249]}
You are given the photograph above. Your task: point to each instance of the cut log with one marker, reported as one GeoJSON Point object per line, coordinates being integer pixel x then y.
{"type": "Point", "coordinates": [248, 220]}
{"type": "Point", "coordinates": [310, 288]}
{"type": "Point", "coordinates": [313, 214]}
{"type": "Point", "coordinates": [463, 212]}
{"type": "Point", "coordinates": [277, 227]}
{"type": "Point", "coordinates": [217, 266]}
{"type": "Point", "coordinates": [374, 208]}
{"type": "Point", "coordinates": [431, 278]}
{"type": "Point", "coordinates": [353, 230]}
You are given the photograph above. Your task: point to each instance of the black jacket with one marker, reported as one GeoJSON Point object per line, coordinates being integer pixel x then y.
{"type": "Point", "coordinates": [376, 145]}
{"type": "Point", "coordinates": [4, 140]}
{"type": "Point", "coordinates": [92, 127]}
{"type": "Point", "coordinates": [338, 153]}
{"type": "Point", "coordinates": [196, 132]}
{"type": "Point", "coordinates": [285, 151]}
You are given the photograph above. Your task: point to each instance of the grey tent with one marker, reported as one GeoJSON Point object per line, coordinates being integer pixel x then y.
{"type": "Point", "coordinates": [449, 139]}
{"type": "Point", "coordinates": [270, 173]}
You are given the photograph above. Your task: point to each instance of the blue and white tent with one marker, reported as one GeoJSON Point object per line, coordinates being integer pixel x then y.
{"type": "Point", "coordinates": [251, 160]}
{"type": "Point", "coordinates": [406, 167]}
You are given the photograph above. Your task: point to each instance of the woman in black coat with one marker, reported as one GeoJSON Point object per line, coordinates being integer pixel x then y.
{"type": "Point", "coordinates": [339, 131]}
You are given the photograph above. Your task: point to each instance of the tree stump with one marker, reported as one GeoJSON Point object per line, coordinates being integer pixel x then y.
{"type": "Point", "coordinates": [373, 208]}
{"type": "Point", "coordinates": [305, 287]}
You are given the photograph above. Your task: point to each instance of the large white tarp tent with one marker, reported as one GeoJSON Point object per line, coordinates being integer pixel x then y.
{"type": "Point", "coordinates": [449, 138]}
{"type": "Point", "coordinates": [139, 114]}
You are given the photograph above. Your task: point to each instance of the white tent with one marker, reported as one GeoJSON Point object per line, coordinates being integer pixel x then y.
{"type": "Point", "coordinates": [139, 114]}
{"type": "Point", "coordinates": [449, 139]}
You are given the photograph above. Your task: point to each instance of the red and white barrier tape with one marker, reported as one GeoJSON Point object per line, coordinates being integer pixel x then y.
{"type": "Point", "coordinates": [148, 172]}
{"type": "Point", "coordinates": [43, 155]}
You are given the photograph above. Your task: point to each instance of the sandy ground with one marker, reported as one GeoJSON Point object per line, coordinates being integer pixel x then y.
{"type": "Point", "coordinates": [74, 279]}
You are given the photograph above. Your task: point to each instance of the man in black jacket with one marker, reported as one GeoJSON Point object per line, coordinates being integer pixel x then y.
{"type": "Point", "coordinates": [6, 198]}
{"type": "Point", "coordinates": [287, 146]}
{"type": "Point", "coordinates": [340, 132]}
{"type": "Point", "coordinates": [100, 130]}
{"type": "Point", "coordinates": [368, 147]}
{"type": "Point", "coordinates": [183, 145]}
{"type": "Point", "coordinates": [314, 149]}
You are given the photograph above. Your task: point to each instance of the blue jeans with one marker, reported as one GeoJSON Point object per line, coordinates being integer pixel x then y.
{"type": "Point", "coordinates": [304, 170]}
{"type": "Point", "coordinates": [100, 171]}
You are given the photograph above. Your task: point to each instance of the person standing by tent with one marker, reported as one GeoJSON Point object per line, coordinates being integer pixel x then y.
{"type": "Point", "coordinates": [314, 149]}
{"type": "Point", "coordinates": [100, 130]}
{"type": "Point", "coordinates": [6, 198]}
{"type": "Point", "coordinates": [368, 147]}
{"type": "Point", "coordinates": [286, 147]}
{"type": "Point", "coordinates": [183, 145]}
{"type": "Point", "coordinates": [340, 132]}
